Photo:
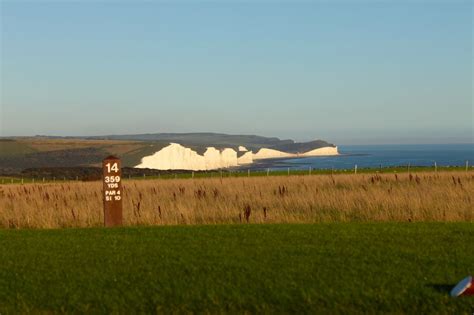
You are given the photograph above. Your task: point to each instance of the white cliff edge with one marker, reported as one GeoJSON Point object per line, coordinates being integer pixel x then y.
{"type": "Point", "coordinates": [271, 154]}
{"type": "Point", "coordinates": [321, 152]}
{"type": "Point", "coordinates": [177, 157]}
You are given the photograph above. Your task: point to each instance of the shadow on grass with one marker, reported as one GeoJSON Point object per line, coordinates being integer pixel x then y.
{"type": "Point", "coordinates": [441, 288]}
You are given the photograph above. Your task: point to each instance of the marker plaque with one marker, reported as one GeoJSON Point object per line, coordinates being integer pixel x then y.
{"type": "Point", "coordinates": [112, 191]}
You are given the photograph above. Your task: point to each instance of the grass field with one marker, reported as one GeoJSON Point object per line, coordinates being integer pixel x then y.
{"type": "Point", "coordinates": [321, 268]}
{"type": "Point", "coordinates": [233, 173]}
{"type": "Point", "coordinates": [14, 148]}
{"type": "Point", "coordinates": [442, 196]}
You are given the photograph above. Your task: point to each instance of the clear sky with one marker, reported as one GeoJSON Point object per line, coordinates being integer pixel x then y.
{"type": "Point", "coordinates": [349, 72]}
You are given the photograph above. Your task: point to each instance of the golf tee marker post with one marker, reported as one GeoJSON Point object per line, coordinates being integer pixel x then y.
{"type": "Point", "coordinates": [112, 191]}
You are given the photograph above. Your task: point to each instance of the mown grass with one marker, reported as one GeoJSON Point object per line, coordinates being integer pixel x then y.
{"type": "Point", "coordinates": [322, 268]}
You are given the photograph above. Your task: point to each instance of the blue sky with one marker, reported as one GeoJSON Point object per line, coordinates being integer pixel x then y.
{"type": "Point", "coordinates": [345, 71]}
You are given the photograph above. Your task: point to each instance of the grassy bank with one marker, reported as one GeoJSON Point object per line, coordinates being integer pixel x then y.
{"type": "Point", "coordinates": [233, 173]}
{"type": "Point", "coordinates": [336, 268]}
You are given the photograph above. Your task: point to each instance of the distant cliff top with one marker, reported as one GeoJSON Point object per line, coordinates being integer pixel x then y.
{"type": "Point", "coordinates": [220, 140]}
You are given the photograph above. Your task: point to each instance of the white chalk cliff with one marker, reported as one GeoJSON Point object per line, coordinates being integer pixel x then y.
{"type": "Point", "coordinates": [177, 157]}
{"type": "Point", "coordinates": [271, 154]}
{"type": "Point", "coordinates": [246, 158]}
{"type": "Point", "coordinates": [321, 152]}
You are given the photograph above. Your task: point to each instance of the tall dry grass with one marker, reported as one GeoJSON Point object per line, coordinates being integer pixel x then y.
{"type": "Point", "coordinates": [318, 198]}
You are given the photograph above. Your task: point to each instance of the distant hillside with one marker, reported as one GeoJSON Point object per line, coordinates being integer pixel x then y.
{"type": "Point", "coordinates": [219, 140]}
{"type": "Point", "coordinates": [204, 139]}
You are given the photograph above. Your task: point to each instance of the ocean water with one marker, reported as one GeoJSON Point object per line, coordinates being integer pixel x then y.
{"type": "Point", "coordinates": [383, 155]}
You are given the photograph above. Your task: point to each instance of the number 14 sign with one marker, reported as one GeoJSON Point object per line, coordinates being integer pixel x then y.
{"type": "Point", "coordinates": [112, 191]}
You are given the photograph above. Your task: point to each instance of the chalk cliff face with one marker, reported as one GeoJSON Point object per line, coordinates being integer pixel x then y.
{"type": "Point", "coordinates": [212, 159]}
{"type": "Point", "coordinates": [321, 151]}
{"type": "Point", "coordinates": [178, 157]}
{"type": "Point", "coordinates": [246, 158]}
{"type": "Point", "coordinates": [175, 156]}
{"type": "Point", "coordinates": [228, 158]}
{"type": "Point", "coordinates": [271, 154]}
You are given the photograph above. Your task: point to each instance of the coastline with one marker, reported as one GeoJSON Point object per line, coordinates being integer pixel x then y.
{"type": "Point", "coordinates": [178, 157]}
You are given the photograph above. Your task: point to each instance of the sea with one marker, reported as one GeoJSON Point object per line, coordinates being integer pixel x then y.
{"type": "Point", "coordinates": [375, 156]}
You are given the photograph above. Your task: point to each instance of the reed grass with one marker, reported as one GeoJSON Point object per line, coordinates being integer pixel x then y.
{"type": "Point", "coordinates": [441, 196]}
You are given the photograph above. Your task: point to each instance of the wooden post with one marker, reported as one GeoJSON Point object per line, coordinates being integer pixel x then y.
{"type": "Point", "coordinates": [112, 191]}
{"type": "Point", "coordinates": [355, 169]}
{"type": "Point", "coordinates": [192, 174]}
{"type": "Point", "coordinates": [248, 172]}
{"type": "Point", "coordinates": [436, 167]}
{"type": "Point", "coordinates": [467, 165]}
{"type": "Point", "coordinates": [268, 171]}
{"type": "Point", "coordinates": [288, 171]}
